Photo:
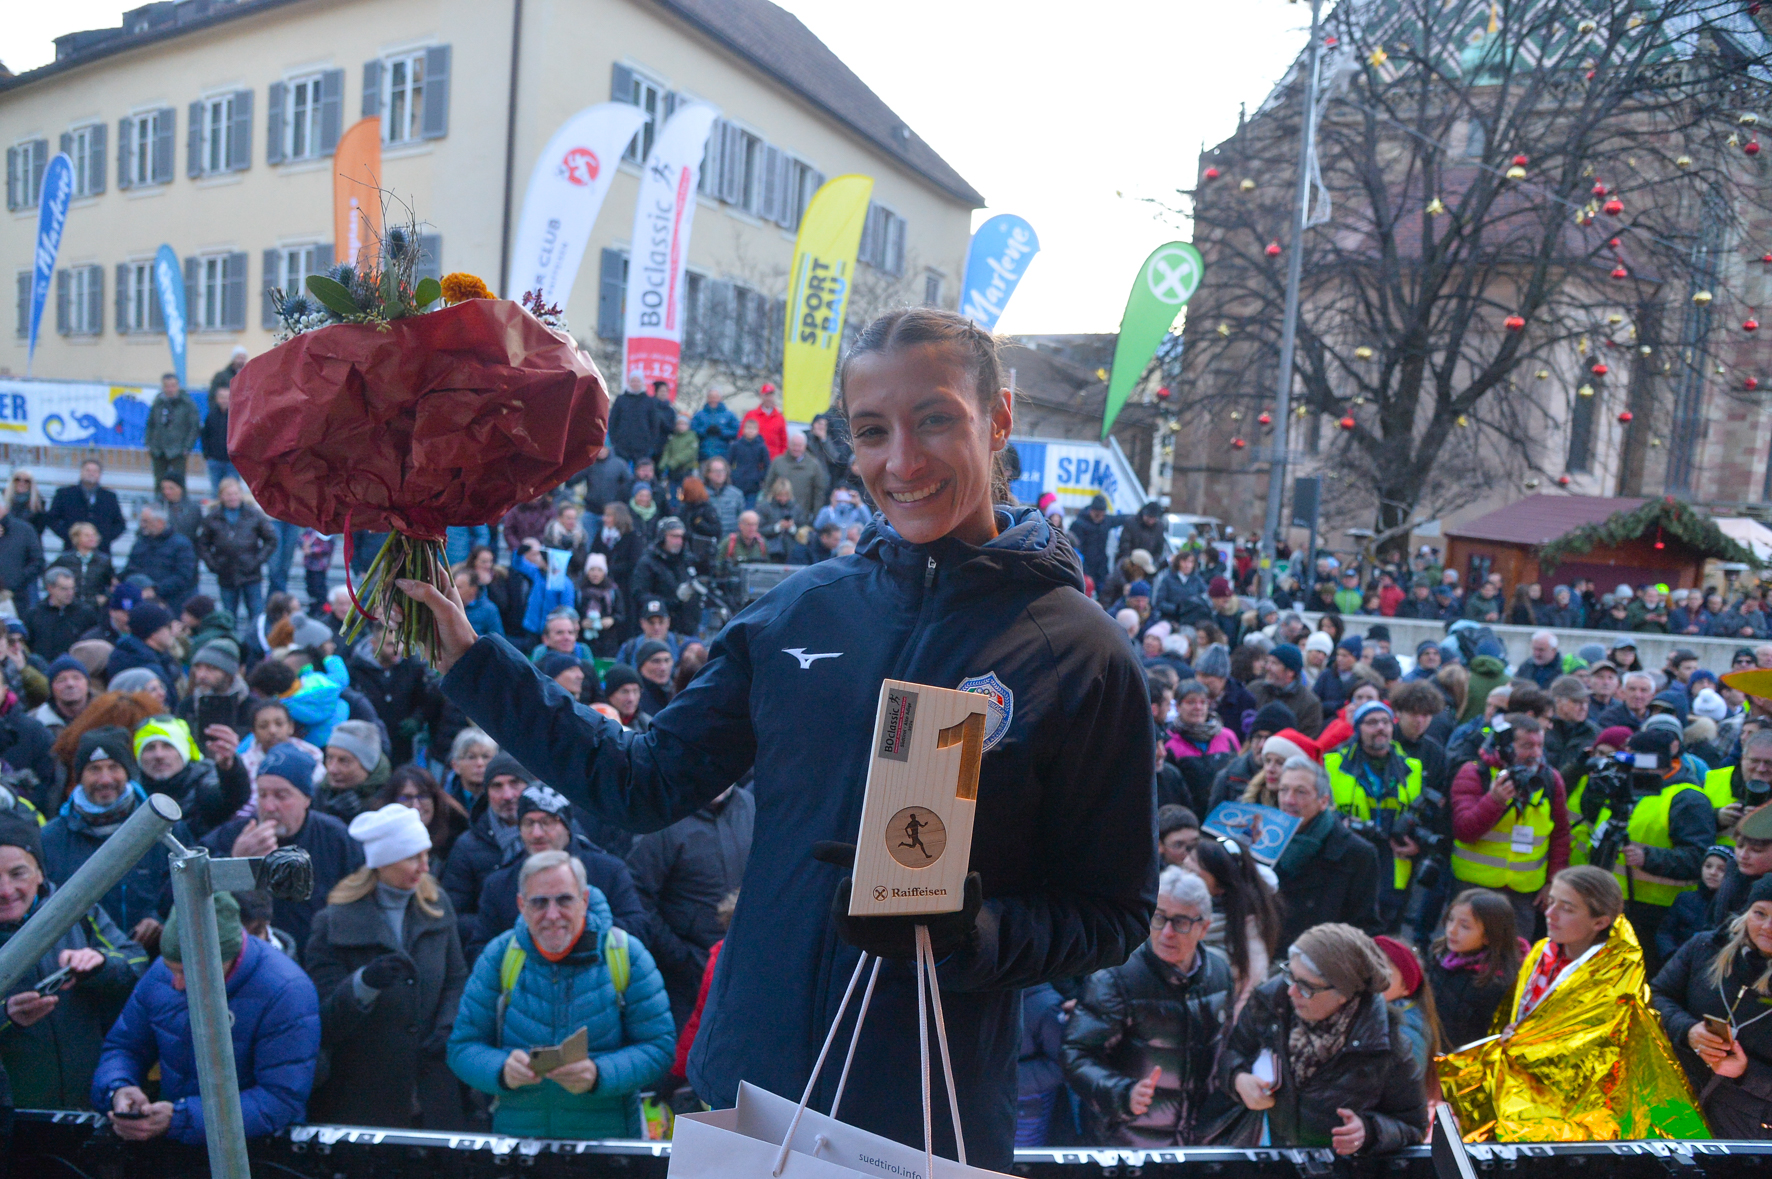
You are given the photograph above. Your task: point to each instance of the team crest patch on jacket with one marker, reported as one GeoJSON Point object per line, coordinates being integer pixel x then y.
{"type": "Point", "coordinates": [999, 709]}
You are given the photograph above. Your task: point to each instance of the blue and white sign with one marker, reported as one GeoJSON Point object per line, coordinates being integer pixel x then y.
{"type": "Point", "coordinates": [52, 218]}
{"type": "Point", "coordinates": [1267, 831]}
{"type": "Point", "coordinates": [171, 284]}
{"type": "Point", "coordinates": [995, 264]}
{"type": "Point", "coordinates": [1076, 472]}
{"type": "Point", "coordinates": [75, 413]}
{"type": "Point", "coordinates": [999, 707]}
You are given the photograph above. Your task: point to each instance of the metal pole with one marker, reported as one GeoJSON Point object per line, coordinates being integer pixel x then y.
{"type": "Point", "coordinates": [1276, 473]}
{"type": "Point", "coordinates": [207, 993]}
{"type": "Point", "coordinates": [86, 887]}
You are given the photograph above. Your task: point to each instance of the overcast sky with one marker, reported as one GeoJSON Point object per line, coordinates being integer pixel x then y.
{"type": "Point", "coordinates": [1070, 115]}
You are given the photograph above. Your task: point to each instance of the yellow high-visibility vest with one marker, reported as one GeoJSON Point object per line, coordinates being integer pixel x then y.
{"type": "Point", "coordinates": [1352, 800]}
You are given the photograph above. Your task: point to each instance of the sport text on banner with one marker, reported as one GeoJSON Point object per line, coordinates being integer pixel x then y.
{"type": "Point", "coordinates": [1166, 281]}
{"type": "Point", "coordinates": [566, 191]}
{"type": "Point", "coordinates": [818, 293]}
{"type": "Point", "coordinates": [52, 217]}
{"type": "Point", "coordinates": [995, 264]}
{"type": "Point", "coordinates": [664, 213]}
{"type": "Point", "coordinates": [75, 413]}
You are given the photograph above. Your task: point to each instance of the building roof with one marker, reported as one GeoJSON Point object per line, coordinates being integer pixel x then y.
{"type": "Point", "coordinates": [768, 37]}
{"type": "Point", "coordinates": [774, 40]}
{"type": "Point", "coordinates": [1540, 519]}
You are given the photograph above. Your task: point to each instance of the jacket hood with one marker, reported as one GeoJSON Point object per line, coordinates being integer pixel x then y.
{"type": "Point", "coordinates": [1025, 549]}
{"type": "Point", "coordinates": [1488, 665]}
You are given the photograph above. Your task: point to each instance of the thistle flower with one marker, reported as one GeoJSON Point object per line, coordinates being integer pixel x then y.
{"type": "Point", "coordinates": [460, 286]}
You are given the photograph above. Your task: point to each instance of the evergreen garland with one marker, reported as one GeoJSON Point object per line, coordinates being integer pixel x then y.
{"type": "Point", "coordinates": [1672, 516]}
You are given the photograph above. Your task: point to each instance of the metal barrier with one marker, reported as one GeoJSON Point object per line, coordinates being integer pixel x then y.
{"type": "Point", "coordinates": [71, 1144]}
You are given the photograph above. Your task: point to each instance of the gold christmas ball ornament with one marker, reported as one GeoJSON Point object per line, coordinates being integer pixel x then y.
{"type": "Point", "coordinates": [1531, 484]}
{"type": "Point", "coordinates": [1586, 27]}
{"type": "Point", "coordinates": [1654, 442]}
{"type": "Point", "coordinates": [1247, 185]}
{"type": "Point", "coordinates": [1378, 56]}
{"type": "Point", "coordinates": [1615, 318]}
{"type": "Point", "coordinates": [1435, 207]}
{"type": "Point", "coordinates": [1748, 119]}
{"type": "Point", "coordinates": [1462, 421]}
{"type": "Point", "coordinates": [1175, 427]}
{"type": "Point", "coordinates": [1543, 374]}
{"type": "Point", "coordinates": [1300, 412]}
{"type": "Point", "coordinates": [1236, 415]}
{"type": "Point", "coordinates": [1702, 298]}
{"type": "Point", "coordinates": [1683, 161]}
{"type": "Point", "coordinates": [1586, 391]}
{"type": "Point", "coordinates": [1516, 173]}
{"type": "Point", "coordinates": [1363, 353]}
{"type": "Point", "coordinates": [1646, 350]}
{"type": "Point", "coordinates": [1224, 329]}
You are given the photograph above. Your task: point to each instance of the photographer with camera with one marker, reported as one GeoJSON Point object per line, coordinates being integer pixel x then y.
{"type": "Point", "coordinates": [1740, 789]}
{"type": "Point", "coordinates": [1510, 818]}
{"type": "Point", "coordinates": [1667, 824]}
{"type": "Point", "coordinates": [1378, 789]}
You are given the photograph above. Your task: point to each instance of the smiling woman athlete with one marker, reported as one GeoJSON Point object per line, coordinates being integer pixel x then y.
{"type": "Point", "coordinates": [945, 588]}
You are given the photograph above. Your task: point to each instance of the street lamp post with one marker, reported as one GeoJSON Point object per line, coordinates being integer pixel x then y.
{"type": "Point", "coordinates": [1276, 477]}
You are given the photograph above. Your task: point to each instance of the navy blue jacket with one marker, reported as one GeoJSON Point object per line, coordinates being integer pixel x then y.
{"type": "Point", "coordinates": [1064, 836]}
{"type": "Point", "coordinates": [69, 507]}
{"type": "Point", "coordinates": [132, 652]}
{"type": "Point", "coordinates": [168, 561]}
{"type": "Point", "coordinates": [145, 890]}
{"type": "Point", "coordinates": [334, 853]}
{"type": "Point", "coordinates": [275, 1014]}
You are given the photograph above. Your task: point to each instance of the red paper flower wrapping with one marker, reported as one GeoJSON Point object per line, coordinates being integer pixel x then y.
{"type": "Point", "coordinates": [452, 417]}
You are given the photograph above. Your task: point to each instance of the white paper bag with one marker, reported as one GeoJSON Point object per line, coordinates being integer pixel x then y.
{"type": "Point", "coordinates": [743, 1142]}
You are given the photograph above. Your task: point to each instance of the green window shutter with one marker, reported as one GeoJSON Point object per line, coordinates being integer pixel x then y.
{"type": "Point", "coordinates": [268, 320]}
{"type": "Point", "coordinates": [63, 280]}
{"type": "Point", "coordinates": [12, 177]}
{"type": "Point", "coordinates": [436, 112]}
{"type": "Point", "coordinates": [240, 133]}
{"type": "Point", "coordinates": [24, 303]}
{"type": "Point", "coordinates": [193, 312]}
{"type": "Point", "coordinates": [332, 110]}
{"type": "Point", "coordinates": [621, 84]}
{"type": "Point", "coordinates": [97, 151]}
{"type": "Point", "coordinates": [121, 299]}
{"type": "Point", "coordinates": [165, 125]}
{"type": "Point", "coordinates": [612, 286]}
{"type": "Point", "coordinates": [274, 98]}
{"type": "Point", "coordinates": [194, 141]}
{"type": "Point", "coordinates": [372, 89]}
{"type": "Point", "coordinates": [233, 308]}
{"type": "Point", "coordinates": [95, 300]}
{"type": "Point", "coordinates": [124, 127]}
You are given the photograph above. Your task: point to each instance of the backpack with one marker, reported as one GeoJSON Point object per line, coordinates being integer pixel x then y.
{"type": "Point", "coordinates": [615, 956]}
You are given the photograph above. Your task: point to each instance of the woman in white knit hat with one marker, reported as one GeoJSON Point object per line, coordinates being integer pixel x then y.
{"type": "Point", "coordinates": [386, 958]}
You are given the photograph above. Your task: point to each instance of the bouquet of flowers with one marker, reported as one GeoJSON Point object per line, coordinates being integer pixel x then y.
{"type": "Point", "coordinates": [406, 406]}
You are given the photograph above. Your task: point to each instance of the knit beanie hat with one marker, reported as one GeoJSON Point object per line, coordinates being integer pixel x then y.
{"type": "Point", "coordinates": [359, 739]}
{"type": "Point", "coordinates": [147, 617]}
{"type": "Point", "coordinates": [390, 834]}
{"type": "Point", "coordinates": [67, 663]}
{"type": "Point", "coordinates": [17, 831]}
{"type": "Point", "coordinates": [1272, 717]}
{"type": "Point", "coordinates": [1762, 889]}
{"type": "Point", "coordinates": [221, 654]}
{"type": "Point", "coordinates": [545, 799]}
{"type": "Point", "coordinates": [1289, 656]}
{"type": "Point", "coordinates": [504, 765]}
{"type": "Point", "coordinates": [647, 650]}
{"type": "Point", "coordinates": [111, 742]}
{"type": "Point", "coordinates": [619, 675]}
{"type": "Point", "coordinates": [171, 731]}
{"type": "Point", "coordinates": [287, 761]}
{"type": "Point", "coordinates": [227, 925]}
{"type": "Point", "coordinates": [1367, 709]}
{"type": "Point", "coordinates": [134, 679]}
{"type": "Point", "coordinates": [309, 633]}
{"type": "Point", "coordinates": [1708, 703]}
{"type": "Point", "coordinates": [1320, 641]}
{"type": "Point", "coordinates": [1345, 958]}
{"type": "Point", "coordinates": [1139, 589]}
{"type": "Point", "coordinates": [555, 662]}
{"type": "Point", "coordinates": [1388, 666]}
{"type": "Point", "coordinates": [1214, 660]}
{"type": "Point", "coordinates": [199, 606]}
{"type": "Point", "coordinates": [1403, 961]}
{"type": "Point", "coordinates": [1658, 741]}
{"type": "Point", "coordinates": [1618, 736]}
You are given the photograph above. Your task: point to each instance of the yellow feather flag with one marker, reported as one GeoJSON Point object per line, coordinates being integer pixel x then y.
{"type": "Point", "coordinates": [818, 293]}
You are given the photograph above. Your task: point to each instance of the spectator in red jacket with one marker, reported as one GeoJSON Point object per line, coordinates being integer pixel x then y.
{"type": "Point", "coordinates": [1510, 819]}
{"type": "Point", "coordinates": [770, 423]}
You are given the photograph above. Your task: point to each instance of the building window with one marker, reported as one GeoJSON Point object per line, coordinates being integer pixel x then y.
{"type": "Point", "coordinates": [932, 288]}
{"type": "Point", "coordinates": [403, 98]}
{"type": "Point", "coordinates": [218, 134]}
{"type": "Point", "coordinates": [301, 134]}
{"type": "Point", "coordinates": [649, 96]}
{"type": "Point", "coordinates": [85, 146]}
{"type": "Point", "coordinates": [882, 240]}
{"type": "Point", "coordinates": [295, 263]}
{"type": "Point", "coordinates": [141, 302]}
{"type": "Point", "coordinates": [138, 162]}
{"type": "Point", "coordinates": [25, 165]}
{"type": "Point", "coordinates": [79, 301]}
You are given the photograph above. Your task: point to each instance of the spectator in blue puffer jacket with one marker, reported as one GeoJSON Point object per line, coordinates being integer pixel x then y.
{"type": "Point", "coordinates": [275, 1017]}
{"type": "Point", "coordinates": [564, 970]}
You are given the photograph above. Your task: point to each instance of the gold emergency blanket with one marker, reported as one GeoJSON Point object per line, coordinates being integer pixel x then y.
{"type": "Point", "coordinates": [1590, 1063]}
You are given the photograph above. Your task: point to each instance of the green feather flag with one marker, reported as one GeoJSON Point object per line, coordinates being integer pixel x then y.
{"type": "Point", "coordinates": [1166, 281]}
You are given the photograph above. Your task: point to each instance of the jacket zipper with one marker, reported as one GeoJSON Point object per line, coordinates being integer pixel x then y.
{"type": "Point", "coordinates": [929, 575]}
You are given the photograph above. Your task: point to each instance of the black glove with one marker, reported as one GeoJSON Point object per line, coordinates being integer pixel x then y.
{"type": "Point", "coordinates": [387, 970]}
{"type": "Point", "coordinates": [896, 937]}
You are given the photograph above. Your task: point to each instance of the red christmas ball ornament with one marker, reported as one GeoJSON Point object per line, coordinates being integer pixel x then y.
{"type": "Point", "coordinates": [1600, 370]}
{"type": "Point", "coordinates": [1273, 249]}
{"type": "Point", "coordinates": [1521, 161]}
{"type": "Point", "coordinates": [1600, 189]}
{"type": "Point", "coordinates": [1163, 393]}
{"type": "Point", "coordinates": [1563, 480]}
{"type": "Point", "coordinates": [1613, 243]}
{"type": "Point", "coordinates": [1348, 423]}
{"type": "Point", "coordinates": [1238, 443]}
{"type": "Point", "coordinates": [1514, 323]}
{"type": "Point", "coordinates": [1212, 173]}
{"type": "Point", "coordinates": [1613, 207]}
{"type": "Point", "coordinates": [1751, 147]}
{"type": "Point", "coordinates": [1266, 419]}
{"type": "Point", "coordinates": [1750, 325]}
{"type": "Point", "coordinates": [1767, 258]}
{"type": "Point", "coordinates": [1625, 417]}
{"type": "Point", "coordinates": [1750, 383]}
{"type": "Point", "coordinates": [1620, 272]}
{"type": "Point", "coordinates": [1590, 75]}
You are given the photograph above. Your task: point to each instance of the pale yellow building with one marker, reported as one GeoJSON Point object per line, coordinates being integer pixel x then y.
{"type": "Point", "coordinates": [209, 126]}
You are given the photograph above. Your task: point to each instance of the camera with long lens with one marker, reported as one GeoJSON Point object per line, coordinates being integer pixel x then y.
{"type": "Point", "coordinates": [1755, 794]}
{"type": "Point", "coordinates": [1613, 786]}
{"type": "Point", "coordinates": [1410, 823]}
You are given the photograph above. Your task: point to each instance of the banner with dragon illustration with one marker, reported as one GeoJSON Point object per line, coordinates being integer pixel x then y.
{"type": "Point", "coordinates": [77, 413]}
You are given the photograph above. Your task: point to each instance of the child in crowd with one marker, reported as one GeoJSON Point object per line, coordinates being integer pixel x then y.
{"type": "Point", "coordinates": [1411, 997]}
{"type": "Point", "coordinates": [1472, 964]}
{"type": "Point", "coordinates": [1690, 911]}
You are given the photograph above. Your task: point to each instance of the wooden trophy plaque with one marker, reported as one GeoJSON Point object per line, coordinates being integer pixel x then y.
{"type": "Point", "coordinates": [915, 843]}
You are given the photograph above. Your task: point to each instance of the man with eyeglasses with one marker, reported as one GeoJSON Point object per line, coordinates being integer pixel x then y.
{"type": "Point", "coordinates": [1140, 1045]}
{"type": "Point", "coordinates": [545, 823]}
{"type": "Point", "coordinates": [1327, 873]}
{"type": "Point", "coordinates": [555, 974]}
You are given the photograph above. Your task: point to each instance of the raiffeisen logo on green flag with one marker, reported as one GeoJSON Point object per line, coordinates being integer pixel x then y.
{"type": "Point", "coordinates": [1166, 281]}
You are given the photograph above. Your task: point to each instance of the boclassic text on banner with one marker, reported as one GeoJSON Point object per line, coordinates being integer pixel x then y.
{"type": "Point", "coordinates": [818, 293]}
{"type": "Point", "coordinates": [52, 218]}
{"type": "Point", "coordinates": [75, 413]}
{"type": "Point", "coordinates": [996, 261]}
{"type": "Point", "coordinates": [664, 213]}
{"type": "Point", "coordinates": [356, 192]}
{"type": "Point", "coordinates": [566, 191]}
{"type": "Point", "coordinates": [170, 283]}
{"type": "Point", "coordinates": [1166, 281]}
